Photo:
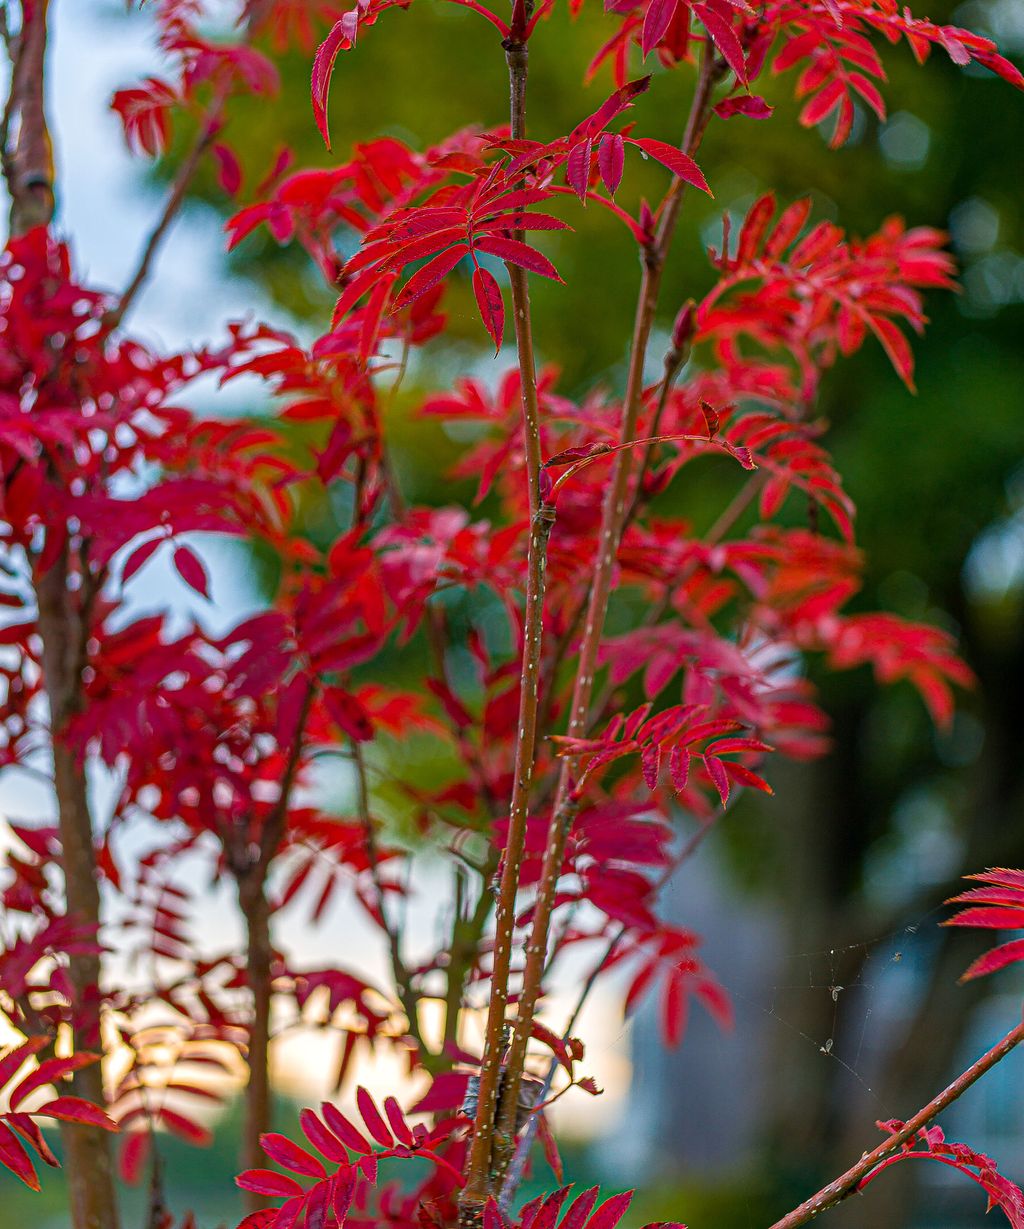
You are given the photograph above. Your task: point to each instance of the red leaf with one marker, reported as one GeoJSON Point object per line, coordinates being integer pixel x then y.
{"type": "Point", "coordinates": [323, 1139]}
{"type": "Point", "coordinates": [375, 1124]}
{"type": "Point", "coordinates": [429, 275]}
{"type": "Point", "coordinates": [50, 1071]}
{"type": "Point", "coordinates": [611, 1211]}
{"type": "Point", "coordinates": [996, 959]}
{"type": "Point", "coordinates": [290, 1156]}
{"type": "Point", "coordinates": [711, 419]}
{"type": "Point", "coordinates": [679, 767]}
{"type": "Point", "coordinates": [229, 170]}
{"type": "Point", "coordinates": [611, 155]}
{"type": "Point", "coordinates": [718, 776]}
{"type": "Point", "coordinates": [132, 1159]}
{"type": "Point", "coordinates": [657, 20]}
{"type": "Point", "coordinates": [13, 1059]}
{"type": "Point", "coordinates": [673, 1010]}
{"type": "Point", "coordinates": [896, 346]}
{"type": "Point", "coordinates": [516, 253]}
{"type": "Point", "coordinates": [345, 1131]}
{"type": "Point", "coordinates": [825, 101]}
{"type": "Point", "coordinates": [323, 66]}
{"type": "Point", "coordinates": [75, 1109]}
{"type": "Point", "coordinates": [185, 1127]}
{"type": "Point", "coordinates": [580, 1208]}
{"type": "Point", "coordinates": [650, 764]}
{"type": "Point", "coordinates": [490, 304]}
{"type": "Point", "coordinates": [716, 1001]}
{"type": "Point", "coordinates": [30, 1131]}
{"type": "Point", "coordinates": [397, 1120]}
{"type": "Point", "coordinates": [724, 37]}
{"type": "Point", "coordinates": [492, 1216]}
{"type": "Point", "coordinates": [348, 714]}
{"type": "Point", "coordinates": [550, 1148]}
{"type": "Point", "coordinates": [267, 1182]}
{"type": "Point", "coordinates": [191, 570]}
{"type": "Point", "coordinates": [447, 1092]}
{"type": "Point", "coordinates": [14, 1157]}
{"type": "Point", "coordinates": [750, 105]}
{"type": "Point", "coordinates": [577, 167]}
{"type": "Point", "coordinates": [344, 1192]}
{"type": "Point", "coordinates": [139, 556]}
{"type": "Point", "coordinates": [677, 162]}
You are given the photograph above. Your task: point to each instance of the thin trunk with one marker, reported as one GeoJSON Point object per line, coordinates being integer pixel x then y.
{"type": "Point", "coordinates": [87, 1150]}
{"type": "Point", "coordinates": [613, 517]}
{"type": "Point", "coordinates": [30, 180]}
{"type": "Point", "coordinates": [255, 907]}
{"type": "Point", "coordinates": [480, 1170]}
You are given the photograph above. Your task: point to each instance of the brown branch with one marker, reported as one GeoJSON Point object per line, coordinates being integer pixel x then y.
{"type": "Point", "coordinates": [90, 1179]}
{"type": "Point", "coordinates": [259, 956]}
{"type": "Point", "coordinates": [613, 515]}
{"type": "Point", "coordinates": [29, 173]}
{"type": "Point", "coordinates": [675, 359]}
{"type": "Point", "coordinates": [172, 206]}
{"type": "Point", "coordinates": [848, 1182]}
{"type": "Point", "coordinates": [517, 1167]}
{"type": "Point", "coordinates": [29, 170]}
{"type": "Point", "coordinates": [479, 1164]}
{"type": "Point", "coordinates": [251, 878]}
{"type": "Point", "coordinates": [542, 516]}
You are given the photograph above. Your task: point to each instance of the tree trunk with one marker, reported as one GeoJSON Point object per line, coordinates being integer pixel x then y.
{"type": "Point", "coordinates": [252, 898]}
{"type": "Point", "coordinates": [87, 1149]}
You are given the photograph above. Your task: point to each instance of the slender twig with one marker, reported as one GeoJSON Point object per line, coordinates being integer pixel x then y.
{"type": "Point", "coordinates": [675, 360]}
{"type": "Point", "coordinates": [172, 206]}
{"type": "Point", "coordinates": [613, 513]}
{"type": "Point", "coordinates": [846, 1184]}
{"type": "Point", "coordinates": [650, 440]}
{"type": "Point", "coordinates": [465, 945]}
{"type": "Point", "coordinates": [399, 970]}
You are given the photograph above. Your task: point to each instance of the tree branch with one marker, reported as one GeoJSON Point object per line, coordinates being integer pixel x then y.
{"type": "Point", "coordinates": [542, 516]}
{"type": "Point", "coordinates": [848, 1182]}
{"type": "Point", "coordinates": [613, 515]}
{"type": "Point", "coordinates": [251, 878]}
{"type": "Point", "coordinates": [30, 178]}
{"type": "Point", "coordinates": [172, 207]}
{"type": "Point", "coordinates": [517, 1167]}
{"type": "Point", "coordinates": [29, 170]}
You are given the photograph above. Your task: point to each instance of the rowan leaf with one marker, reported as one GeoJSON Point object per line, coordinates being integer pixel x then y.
{"type": "Point", "coordinates": [670, 156]}
{"type": "Point", "coordinates": [490, 304]}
